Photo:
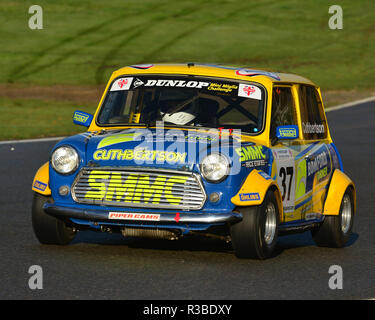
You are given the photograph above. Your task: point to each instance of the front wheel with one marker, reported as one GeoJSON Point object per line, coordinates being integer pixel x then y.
{"type": "Point", "coordinates": [256, 235]}
{"type": "Point", "coordinates": [335, 231]}
{"type": "Point", "coordinates": [48, 229]}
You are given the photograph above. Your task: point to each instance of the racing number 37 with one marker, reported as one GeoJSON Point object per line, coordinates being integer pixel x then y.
{"type": "Point", "coordinates": [286, 185]}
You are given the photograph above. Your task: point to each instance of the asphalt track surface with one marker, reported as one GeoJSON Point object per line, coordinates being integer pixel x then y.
{"type": "Point", "coordinates": [108, 266]}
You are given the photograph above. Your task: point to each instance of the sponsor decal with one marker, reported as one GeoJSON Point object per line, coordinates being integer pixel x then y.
{"type": "Point", "coordinates": [249, 91]}
{"type": "Point", "coordinates": [312, 128]}
{"type": "Point", "coordinates": [287, 132]}
{"type": "Point", "coordinates": [282, 154]}
{"type": "Point", "coordinates": [137, 83]}
{"type": "Point", "coordinates": [321, 174]}
{"type": "Point", "coordinates": [254, 163]}
{"type": "Point", "coordinates": [140, 154]}
{"type": "Point", "coordinates": [222, 87]}
{"type": "Point", "coordinates": [317, 163]}
{"type": "Point", "coordinates": [82, 118]}
{"type": "Point", "coordinates": [312, 169]}
{"type": "Point", "coordinates": [176, 83]}
{"type": "Point", "coordinates": [235, 89]}
{"type": "Point", "coordinates": [121, 84]}
{"type": "Point", "coordinates": [250, 153]}
{"type": "Point", "coordinates": [249, 196]}
{"type": "Point", "coordinates": [134, 216]}
{"type": "Point", "coordinates": [134, 188]}
{"type": "Point", "coordinates": [192, 137]}
{"type": "Point", "coordinates": [39, 185]}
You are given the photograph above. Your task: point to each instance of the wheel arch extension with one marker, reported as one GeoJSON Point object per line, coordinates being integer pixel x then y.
{"type": "Point", "coordinates": [340, 182]}
{"type": "Point", "coordinates": [254, 190]}
{"type": "Point", "coordinates": [41, 180]}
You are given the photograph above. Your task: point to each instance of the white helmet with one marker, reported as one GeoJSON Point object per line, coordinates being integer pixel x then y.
{"type": "Point", "coordinates": [179, 118]}
{"type": "Point", "coordinates": [183, 117]}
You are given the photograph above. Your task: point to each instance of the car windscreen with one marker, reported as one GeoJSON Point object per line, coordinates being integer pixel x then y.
{"type": "Point", "coordinates": [184, 101]}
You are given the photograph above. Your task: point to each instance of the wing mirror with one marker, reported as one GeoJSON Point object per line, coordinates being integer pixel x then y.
{"type": "Point", "coordinates": [82, 118]}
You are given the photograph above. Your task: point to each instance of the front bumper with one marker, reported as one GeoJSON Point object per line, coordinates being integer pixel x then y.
{"type": "Point", "coordinates": [166, 218]}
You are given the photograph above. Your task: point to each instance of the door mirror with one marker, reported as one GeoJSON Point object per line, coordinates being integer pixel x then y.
{"type": "Point", "coordinates": [287, 132]}
{"type": "Point", "coordinates": [82, 118]}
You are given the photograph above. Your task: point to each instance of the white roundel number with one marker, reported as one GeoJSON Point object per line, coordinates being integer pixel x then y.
{"type": "Point", "coordinates": [286, 177]}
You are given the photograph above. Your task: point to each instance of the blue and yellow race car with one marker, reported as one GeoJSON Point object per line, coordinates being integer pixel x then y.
{"type": "Point", "coordinates": [240, 154]}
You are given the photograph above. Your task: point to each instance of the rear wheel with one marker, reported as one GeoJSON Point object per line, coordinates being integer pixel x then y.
{"type": "Point", "coordinates": [48, 229]}
{"type": "Point", "coordinates": [335, 231]}
{"type": "Point", "coordinates": [256, 235]}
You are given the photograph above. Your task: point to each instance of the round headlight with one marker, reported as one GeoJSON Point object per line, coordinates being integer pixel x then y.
{"type": "Point", "coordinates": [215, 167]}
{"type": "Point", "coordinates": [65, 160]}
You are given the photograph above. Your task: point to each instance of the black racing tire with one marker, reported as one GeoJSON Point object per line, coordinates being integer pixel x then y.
{"type": "Point", "coordinates": [335, 231]}
{"type": "Point", "coordinates": [249, 237]}
{"type": "Point", "coordinates": [48, 229]}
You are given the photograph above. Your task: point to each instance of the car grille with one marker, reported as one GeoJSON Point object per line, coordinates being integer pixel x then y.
{"type": "Point", "coordinates": [139, 187]}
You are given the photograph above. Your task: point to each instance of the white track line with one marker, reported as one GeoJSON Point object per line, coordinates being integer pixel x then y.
{"type": "Point", "coordinates": [341, 106]}
{"type": "Point", "coordinates": [350, 104]}
{"type": "Point", "coordinates": [31, 140]}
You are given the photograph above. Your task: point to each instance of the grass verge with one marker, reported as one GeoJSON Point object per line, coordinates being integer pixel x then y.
{"type": "Point", "coordinates": [24, 118]}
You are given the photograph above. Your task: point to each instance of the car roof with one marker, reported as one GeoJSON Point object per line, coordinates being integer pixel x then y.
{"type": "Point", "coordinates": [214, 71]}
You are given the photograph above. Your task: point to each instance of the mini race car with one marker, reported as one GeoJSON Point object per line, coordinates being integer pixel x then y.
{"type": "Point", "coordinates": [239, 154]}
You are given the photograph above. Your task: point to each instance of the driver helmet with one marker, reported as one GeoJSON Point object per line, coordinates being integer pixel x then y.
{"type": "Point", "coordinates": [178, 115]}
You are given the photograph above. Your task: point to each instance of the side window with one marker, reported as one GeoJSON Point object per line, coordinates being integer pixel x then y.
{"type": "Point", "coordinates": [312, 115]}
{"type": "Point", "coordinates": [283, 109]}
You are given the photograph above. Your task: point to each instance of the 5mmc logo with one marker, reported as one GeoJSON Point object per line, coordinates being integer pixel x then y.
{"type": "Point", "coordinates": [250, 153]}
{"type": "Point", "coordinates": [113, 186]}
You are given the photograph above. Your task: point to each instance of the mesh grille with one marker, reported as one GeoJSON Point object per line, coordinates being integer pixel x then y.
{"type": "Point", "coordinates": [139, 188]}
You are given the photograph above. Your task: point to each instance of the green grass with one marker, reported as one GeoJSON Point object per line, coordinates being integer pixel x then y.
{"type": "Point", "coordinates": [83, 42]}
{"type": "Point", "coordinates": [22, 119]}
